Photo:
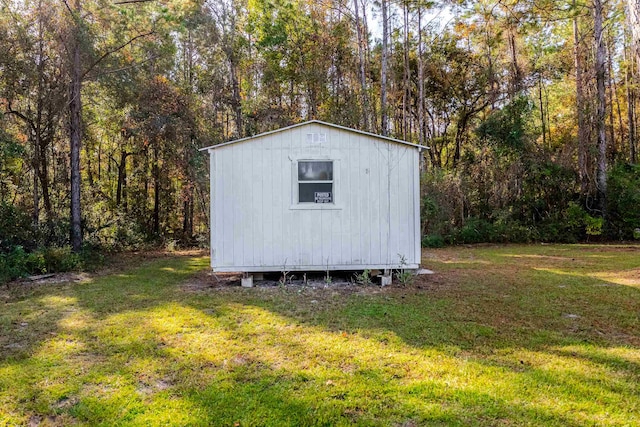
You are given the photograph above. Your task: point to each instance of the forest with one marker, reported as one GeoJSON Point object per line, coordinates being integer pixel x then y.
{"type": "Point", "coordinates": [530, 108]}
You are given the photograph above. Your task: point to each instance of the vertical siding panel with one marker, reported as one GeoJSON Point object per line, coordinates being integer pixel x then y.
{"type": "Point", "coordinates": [335, 216]}
{"type": "Point", "coordinates": [415, 196]}
{"type": "Point", "coordinates": [268, 187]}
{"type": "Point", "coordinates": [295, 218]}
{"type": "Point", "coordinates": [404, 203]}
{"type": "Point", "coordinates": [212, 202]}
{"type": "Point", "coordinates": [382, 200]}
{"type": "Point", "coordinates": [277, 200]}
{"type": "Point", "coordinates": [385, 194]}
{"type": "Point", "coordinates": [248, 231]}
{"type": "Point", "coordinates": [256, 167]}
{"type": "Point", "coordinates": [285, 198]}
{"type": "Point", "coordinates": [227, 205]}
{"type": "Point", "coordinates": [315, 226]}
{"type": "Point", "coordinates": [299, 223]}
{"type": "Point", "coordinates": [355, 172]}
{"type": "Point", "coordinates": [217, 210]}
{"type": "Point", "coordinates": [374, 199]}
{"type": "Point", "coordinates": [345, 197]}
{"type": "Point", "coordinates": [392, 204]}
{"type": "Point", "coordinates": [304, 223]}
{"type": "Point", "coordinates": [261, 215]}
{"type": "Point", "coordinates": [326, 216]}
{"type": "Point", "coordinates": [236, 203]}
{"type": "Point", "coordinates": [300, 218]}
{"type": "Point", "coordinates": [406, 223]}
{"type": "Point", "coordinates": [367, 224]}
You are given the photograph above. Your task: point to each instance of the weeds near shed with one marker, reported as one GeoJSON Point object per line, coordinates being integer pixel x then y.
{"type": "Point", "coordinates": [404, 276]}
{"type": "Point", "coordinates": [285, 275]}
{"type": "Point", "coordinates": [363, 278]}
{"type": "Point", "coordinates": [327, 277]}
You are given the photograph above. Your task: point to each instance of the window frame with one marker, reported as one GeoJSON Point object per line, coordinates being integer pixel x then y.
{"type": "Point", "coordinates": [296, 204]}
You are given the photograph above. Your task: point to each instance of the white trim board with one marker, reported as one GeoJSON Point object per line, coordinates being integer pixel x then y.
{"type": "Point", "coordinates": [386, 138]}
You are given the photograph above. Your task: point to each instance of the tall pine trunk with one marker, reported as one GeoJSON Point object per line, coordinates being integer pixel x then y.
{"type": "Point", "coordinates": [420, 80]}
{"type": "Point", "coordinates": [406, 75]}
{"type": "Point", "coordinates": [631, 115]}
{"type": "Point", "coordinates": [583, 171]}
{"type": "Point", "coordinates": [633, 58]}
{"type": "Point", "coordinates": [75, 130]}
{"type": "Point", "coordinates": [383, 69]}
{"type": "Point", "coordinates": [600, 71]}
{"type": "Point", "coordinates": [363, 78]}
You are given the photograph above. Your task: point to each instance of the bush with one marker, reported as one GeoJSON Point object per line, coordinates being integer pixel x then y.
{"type": "Point", "coordinates": [20, 263]}
{"type": "Point", "coordinates": [432, 241]}
{"type": "Point", "coordinates": [60, 259]}
{"type": "Point", "coordinates": [16, 229]}
{"type": "Point", "coordinates": [624, 201]}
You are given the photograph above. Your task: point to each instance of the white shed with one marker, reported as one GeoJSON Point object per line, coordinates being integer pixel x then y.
{"type": "Point", "coordinates": [314, 196]}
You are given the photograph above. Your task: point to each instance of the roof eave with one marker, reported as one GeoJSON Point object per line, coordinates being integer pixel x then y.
{"type": "Point", "coordinates": [373, 135]}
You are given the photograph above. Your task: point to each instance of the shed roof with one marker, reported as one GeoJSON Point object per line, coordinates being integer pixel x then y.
{"type": "Point", "coordinates": [386, 138]}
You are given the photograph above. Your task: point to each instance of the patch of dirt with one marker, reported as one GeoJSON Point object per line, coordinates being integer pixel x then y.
{"type": "Point", "coordinates": [315, 285]}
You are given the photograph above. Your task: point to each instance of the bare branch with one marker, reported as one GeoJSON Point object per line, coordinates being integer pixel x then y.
{"type": "Point", "coordinates": [130, 67]}
{"type": "Point", "coordinates": [68, 7]}
{"type": "Point", "coordinates": [18, 114]}
{"type": "Point", "coordinates": [133, 1]}
{"type": "Point", "coordinates": [114, 50]}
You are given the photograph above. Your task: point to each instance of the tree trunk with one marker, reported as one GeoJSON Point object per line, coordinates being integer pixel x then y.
{"type": "Point", "coordinates": [36, 196]}
{"type": "Point", "coordinates": [631, 115]}
{"type": "Point", "coordinates": [633, 14]}
{"type": "Point", "coordinates": [363, 77]}
{"type": "Point", "coordinates": [583, 171]}
{"type": "Point", "coordinates": [383, 69]}
{"type": "Point", "coordinates": [516, 77]}
{"type": "Point", "coordinates": [600, 72]}
{"type": "Point", "coordinates": [237, 101]}
{"type": "Point", "coordinates": [373, 111]}
{"type": "Point", "coordinates": [630, 78]}
{"type": "Point", "coordinates": [44, 182]}
{"type": "Point", "coordinates": [187, 223]}
{"type": "Point", "coordinates": [406, 75]}
{"type": "Point", "coordinates": [421, 132]}
{"type": "Point", "coordinates": [460, 134]}
{"type": "Point", "coordinates": [544, 129]}
{"type": "Point", "coordinates": [156, 191]}
{"type": "Point", "coordinates": [613, 148]}
{"type": "Point", "coordinates": [122, 176]}
{"type": "Point", "coordinates": [75, 128]}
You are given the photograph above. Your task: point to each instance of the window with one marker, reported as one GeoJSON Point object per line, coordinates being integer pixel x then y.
{"type": "Point", "coordinates": [315, 182]}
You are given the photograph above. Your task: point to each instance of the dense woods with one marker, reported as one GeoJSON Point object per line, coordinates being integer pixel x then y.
{"type": "Point", "coordinates": [530, 109]}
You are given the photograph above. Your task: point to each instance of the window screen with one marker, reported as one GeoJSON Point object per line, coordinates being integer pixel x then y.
{"type": "Point", "coordinates": [315, 182]}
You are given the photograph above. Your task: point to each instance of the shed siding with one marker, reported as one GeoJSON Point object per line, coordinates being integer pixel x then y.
{"type": "Point", "coordinates": [257, 226]}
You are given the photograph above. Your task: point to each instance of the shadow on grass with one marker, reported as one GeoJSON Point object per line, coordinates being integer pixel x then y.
{"type": "Point", "coordinates": [135, 347]}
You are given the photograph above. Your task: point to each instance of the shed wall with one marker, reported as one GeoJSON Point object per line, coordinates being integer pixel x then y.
{"type": "Point", "coordinates": [258, 226]}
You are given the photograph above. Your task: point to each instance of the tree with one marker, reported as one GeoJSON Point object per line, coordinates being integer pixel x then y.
{"type": "Point", "coordinates": [383, 68]}
{"type": "Point", "coordinates": [600, 70]}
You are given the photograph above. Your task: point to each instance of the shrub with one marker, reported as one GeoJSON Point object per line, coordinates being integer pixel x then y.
{"type": "Point", "coordinates": [16, 229]}
{"type": "Point", "coordinates": [624, 201]}
{"type": "Point", "coordinates": [60, 259]}
{"type": "Point", "coordinates": [432, 241]}
{"type": "Point", "coordinates": [19, 263]}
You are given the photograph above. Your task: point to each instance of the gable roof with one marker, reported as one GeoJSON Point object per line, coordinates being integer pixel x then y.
{"type": "Point", "coordinates": [386, 138]}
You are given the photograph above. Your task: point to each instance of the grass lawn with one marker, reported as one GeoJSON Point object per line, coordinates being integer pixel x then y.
{"type": "Point", "coordinates": [500, 335]}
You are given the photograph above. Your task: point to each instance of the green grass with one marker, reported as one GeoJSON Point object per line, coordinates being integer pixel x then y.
{"type": "Point", "coordinates": [501, 335]}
